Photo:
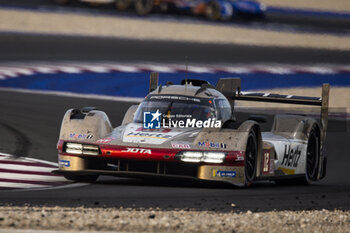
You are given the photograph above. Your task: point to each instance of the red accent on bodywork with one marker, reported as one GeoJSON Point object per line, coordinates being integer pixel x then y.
{"type": "Point", "coordinates": [121, 152]}
{"type": "Point", "coordinates": [60, 146]}
{"type": "Point", "coordinates": [159, 154]}
{"type": "Point", "coordinates": [156, 154]}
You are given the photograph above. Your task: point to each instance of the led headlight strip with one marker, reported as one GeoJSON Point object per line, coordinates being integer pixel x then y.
{"type": "Point", "coordinates": [81, 149]}
{"type": "Point", "coordinates": [206, 156]}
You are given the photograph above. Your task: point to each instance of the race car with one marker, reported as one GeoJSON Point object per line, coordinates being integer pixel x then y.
{"type": "Point", "coordinates": [190, 131]}
{"type": "Point", "coordinates": [212, 9]}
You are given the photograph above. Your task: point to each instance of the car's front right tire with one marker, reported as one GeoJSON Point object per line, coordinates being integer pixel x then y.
{"type": "Point", "coordinates": [251, 155]}
{"type": "Point", "coordinates": [143, 7]}
{"type": "Point", "coordinates": [212, 11]}
{"type": "Point", "coordinates": [122, 5]}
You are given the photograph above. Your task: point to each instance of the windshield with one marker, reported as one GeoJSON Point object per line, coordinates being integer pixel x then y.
{"type": "Point", "coordinates": [176, 107]}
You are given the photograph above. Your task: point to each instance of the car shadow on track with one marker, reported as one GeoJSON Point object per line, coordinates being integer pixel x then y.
{"type": "Point", "coordinates": [185, 183]}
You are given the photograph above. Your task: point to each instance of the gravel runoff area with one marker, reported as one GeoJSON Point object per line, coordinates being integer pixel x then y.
{"type": "Point", "coordinates": [123, 27]}
{"type": "Point", "coordinates": [326, 5]}
{"type": "Point", "coordinates": [155, 220]}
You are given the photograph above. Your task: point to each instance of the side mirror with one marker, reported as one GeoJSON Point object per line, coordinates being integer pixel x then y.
{"type": "Point", "coordinates": [153, 81]}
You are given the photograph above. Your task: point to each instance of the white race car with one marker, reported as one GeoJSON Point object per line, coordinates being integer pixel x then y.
{"type": "Point", "coordinates": [190, 131]}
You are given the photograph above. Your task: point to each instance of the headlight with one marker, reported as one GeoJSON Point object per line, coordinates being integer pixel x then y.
{"type": "Point", "coordinates": [207, 156]}
{"type": "Point", "coordinates": [81, 149]}
{"type": "Point", "coordinates": [213, 157]}
{"type": "Point", "coordinates": [191, 156]}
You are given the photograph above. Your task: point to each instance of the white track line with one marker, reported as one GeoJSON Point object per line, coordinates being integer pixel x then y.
{"type": "Point", "coordinates": [29, 161]}
{"type": "Point", "coordinates": [30, 177]}
{"type": "Point", "coordinates": [21, 185]}
{"type": "Point", "coordinates": [75, 95]}
{"type": "Point", "coordinates": [15, 174]}
{"type": "Point", "coordinates": [17, 167]}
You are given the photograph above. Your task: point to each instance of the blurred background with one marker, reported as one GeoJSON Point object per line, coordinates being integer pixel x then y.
{"type": "Point", "coordinates": [109, 47]}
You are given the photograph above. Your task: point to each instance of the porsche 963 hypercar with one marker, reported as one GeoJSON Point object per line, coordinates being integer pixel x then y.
{"type": "Point", "coordinates": [190, 131]}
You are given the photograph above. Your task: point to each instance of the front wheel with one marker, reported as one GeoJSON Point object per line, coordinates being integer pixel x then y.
{"type": "Point", "coordinates": [251, 155]}
{"type": "Point", "coordinates": [122, 5]}
{"type": "Point", "coordinates": [212, 11]}
{"type": "Point", "coordinates": [143, 7]}
{"type": "Point", "coordinates": [82, 178]}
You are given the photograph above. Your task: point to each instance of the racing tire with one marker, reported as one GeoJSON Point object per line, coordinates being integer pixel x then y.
{"type": "Point", "coordinates": [143, 7]}
{"type": "Point", "coordinates": [312, 156]}
{"type": "Point", "coordinates": [251, 155]}
{"type": "Point", "coordinates": [82, 178]}
{"type": "Point", "coordinates": [122, 5]}
{"type": "Point", "coordinates": [213, 11]}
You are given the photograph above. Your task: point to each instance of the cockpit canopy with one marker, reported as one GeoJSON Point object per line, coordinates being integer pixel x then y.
{"type": "Point", "coordinates": [181, 107]}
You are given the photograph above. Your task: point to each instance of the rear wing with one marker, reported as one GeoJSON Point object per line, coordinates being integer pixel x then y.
{"type": "Point", "coordinates": [231, 88]}
{"type": "Point", "coordinates": [153, 81]}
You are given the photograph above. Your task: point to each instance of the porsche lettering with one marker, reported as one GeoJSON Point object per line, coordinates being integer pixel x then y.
{"type": "Point", "coordinates": [155, 135]}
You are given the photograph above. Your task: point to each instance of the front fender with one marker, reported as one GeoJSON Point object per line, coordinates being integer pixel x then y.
{"type": "Point", "coordinates": [89, 127]}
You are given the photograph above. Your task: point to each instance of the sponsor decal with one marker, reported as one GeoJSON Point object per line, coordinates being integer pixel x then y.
{"type": "Point", "coordinates": [219, 173]}
{"type": "Point", "coordinates": [64, 163]}
{"type": "Point", "coordinates": [266, 162]}
{"type": "Point", "coordinates": [212, 144]}
{"type": "Point", "coordinates": [134, 134]}
{"type": "Point", "coordinates": [137, 150]}
{"type": "Point", "coordinates": [180, 145]}
{"type": "Point", "coordinates": [81, 136]}
{"type": "Point", "coordinates": [150, 135]}
{"type": "Point", "coordinates": [170, 97]}
{"type": "Point", "coordinates": [105, 140]}
{"type": "Point", "coordinates": [287, 171]}
{"type": "Point", "coordinates": [291, 156]}
{"type": "Point", "coordinates": [151, 120]}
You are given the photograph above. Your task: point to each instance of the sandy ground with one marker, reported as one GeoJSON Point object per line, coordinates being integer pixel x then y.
{"type": "Point", "coordinates": [127, 220]}
{"type": "Point", "coordinates": [339, 99]}
{"type": "Point", "coordinates": [75, 24]}
{"type": "Point", "coordinates": [326, 5]}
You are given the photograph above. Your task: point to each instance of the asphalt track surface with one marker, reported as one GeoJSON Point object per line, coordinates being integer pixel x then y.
{"type": "Point", "coordinates": [33, 120]}
{"type": "Point", "coordinates": [275, 18]}
{"type": "Point", "coordinates": [38, 47]}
